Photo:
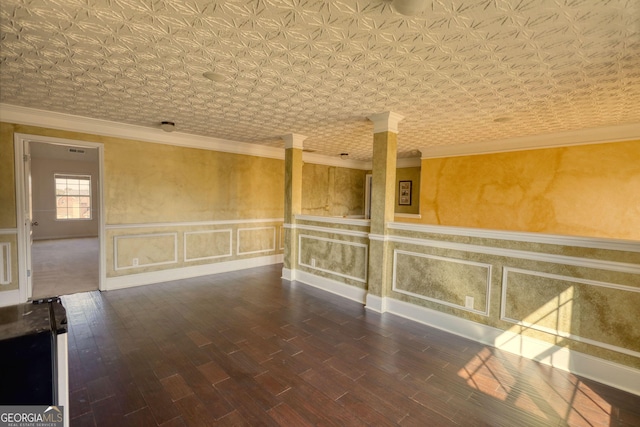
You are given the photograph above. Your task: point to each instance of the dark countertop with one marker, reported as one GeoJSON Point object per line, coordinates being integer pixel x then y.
{"type": "Point", "coordinates": [26, 319]}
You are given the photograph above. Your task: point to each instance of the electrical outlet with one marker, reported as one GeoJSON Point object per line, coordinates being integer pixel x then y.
{"type": "Point", "coordinates": [135, 262]}
{"type": "Point", "coordinates": [313, 262]}
{"type": "Point", "coordinates": [468, 302]}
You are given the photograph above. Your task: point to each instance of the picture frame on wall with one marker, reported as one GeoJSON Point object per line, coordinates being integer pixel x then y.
{"type": "Point", "coordinates": [404, 193]}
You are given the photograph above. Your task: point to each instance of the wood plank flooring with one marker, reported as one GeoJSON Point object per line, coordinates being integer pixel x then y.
{"type": "Point", "coordinates": [249, 349]}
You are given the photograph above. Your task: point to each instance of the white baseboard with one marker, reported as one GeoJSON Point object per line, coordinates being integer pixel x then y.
{"type": "Point", "coordinates": [288, 274]}
{"type": "Point", "coordinates": [10, 298]}
{"type": "Point", "coordinates": [131, 280]}
{"type": "Point", "coordinates": [600, 370]}
{"type": "Point", "coordinates": [350, 292]}
{"type": "Point", "coordinates": [375, 303]}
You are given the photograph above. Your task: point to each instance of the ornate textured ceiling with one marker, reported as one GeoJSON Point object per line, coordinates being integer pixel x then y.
{"type": "Point", "coordinates": [462, 72]}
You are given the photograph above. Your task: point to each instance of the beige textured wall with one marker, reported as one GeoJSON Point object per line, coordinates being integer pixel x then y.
{"type": "Point", "coordinates": [146, 183]}
{"type": "Point", "coordinates": [587, 190]}
{"type": "Point", "coordinates": [413, 175]}
{"type": "Point", "coordinates": [161, 183]}
{"type": "Point", "coordinates": [591, 307]}
{"type": "Point", "coordinates": [332, 191]}
{"type": "Point", "coordinates": [7, 182]}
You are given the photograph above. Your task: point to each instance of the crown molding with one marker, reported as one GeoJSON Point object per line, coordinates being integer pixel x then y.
{"type": "Point", "coordinates": [386, 122]}
{"type": "Point", "coordinates": [68, 122]}
{"type": "Point", "coordinates": [293, 140]}
{"type": "Point", "coordinates": [620, 133]}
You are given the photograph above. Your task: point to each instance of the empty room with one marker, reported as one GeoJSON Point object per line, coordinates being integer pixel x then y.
{"type": "Point", "coordinates": [301, 212]}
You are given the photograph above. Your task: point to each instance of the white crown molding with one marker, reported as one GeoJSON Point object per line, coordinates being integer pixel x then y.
{"type": "Point", "coordinates": [319, 159]}
{"type": "Point", "coordinates": [628, 132]}
{"type": "Point", "coordinates": [293, 140]}
{"type": "Point", "coordinates": [385, 122]}
{"type": "Point", "coordinates": [408, 162]}
{"type": "Point", "coordinates": [68, 122]}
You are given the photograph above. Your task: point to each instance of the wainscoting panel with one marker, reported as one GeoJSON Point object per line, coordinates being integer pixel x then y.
{"type": "Point", "coordinates": [145, 249]}
{"type": "Point", "coordinates": [462, 284]}
{"type": "Point", "coordinates": [336, 257]}
{"type": "Point", "coordinates": [5, 263]}
{"type": "Point", "coordinates": [207, 244]}
{"type": "Point", "coordinates": [9, 271]}
{"type": "Point", "coordinates": [594, 312]}
{"type": "Point", "coordinates": [256, 240]}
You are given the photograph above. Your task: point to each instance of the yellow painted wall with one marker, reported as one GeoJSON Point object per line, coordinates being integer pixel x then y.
{"type": "Point", "coordinates": [586, 190]}
{"type": "Point", "coordinates": [332, 191]}
{"type": "Point", "coordinates": [7, 182]}
{"type": "Point", "coordinates": [413, 175]}
{"type": "Point", "coordinates": [147, 183]}
{"type": "Point", "coordinates": [161, 183]}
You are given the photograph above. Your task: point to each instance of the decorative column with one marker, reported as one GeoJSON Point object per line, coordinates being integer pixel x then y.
{"type": "Point", "coordinates": [383, 194]}
{"type": "Point", "coordinates": [292, 200]}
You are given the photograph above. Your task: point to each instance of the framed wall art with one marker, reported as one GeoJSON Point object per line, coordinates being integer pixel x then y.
{"type": "Point", "coordinates": [404, 193]}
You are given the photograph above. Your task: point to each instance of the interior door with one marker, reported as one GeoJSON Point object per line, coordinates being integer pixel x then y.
{"type": "Point", "coordinates": [28, 216]}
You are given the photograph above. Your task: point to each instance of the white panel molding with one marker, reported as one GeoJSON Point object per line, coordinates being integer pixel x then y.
{"type": "Point", "coordinates": [11, 298]}
{"type": "Point", "coordinates": [521, 236]}
{"type": "Point", "coordinates": [329, 230]}
{"type": "Point", "coordinates": [5, 260]}
{"type": "Point", "coordinates": [347, 291]}
{"type": "Point", "coordinates": [514, 253]}
{"type": "Point", "coordinates": [188, 233]}
{"type": "Point", "coordinates": [557, 332]}
{"type": "Point", "coordinates": [601, 135]}
{"type": "Point", "coordinates": [335, 220]}
{"type": "Point", "coordinates": [271, 249]}
{"type": "Point", "coordinates": [192, 224]}
{"type": "Point", "coordinates": [488, 268]}
{"type": "Point", "coordinates": [131, 280]}
{"type": "Point", "coordinates": [341, 242]}
{"type": "Point", "coordinates": [606, 372]}
{"type": "Point", "coordinates": [281, 237]}
{"type": "Point", "coordinates": [8, 231]}
{"type": "Point", "coordinates": [143, 236]}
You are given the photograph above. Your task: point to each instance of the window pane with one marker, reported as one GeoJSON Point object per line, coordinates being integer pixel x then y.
{"type": "Point", "coordinates": [73, 196]}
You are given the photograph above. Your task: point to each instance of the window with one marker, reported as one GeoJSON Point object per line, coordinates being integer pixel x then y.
{"type": "Point", "coordinates": [73, 196]}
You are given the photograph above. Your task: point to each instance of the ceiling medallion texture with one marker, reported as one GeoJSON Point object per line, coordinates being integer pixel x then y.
{"type": "Point", "coordinates": [319, 67]}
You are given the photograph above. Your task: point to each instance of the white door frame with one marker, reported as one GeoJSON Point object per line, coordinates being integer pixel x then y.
{"type": "Point", "coordinates": [22, 205]}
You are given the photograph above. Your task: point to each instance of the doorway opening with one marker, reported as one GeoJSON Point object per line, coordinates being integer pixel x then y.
{"type": "Point", "coordinates": [61, 222]}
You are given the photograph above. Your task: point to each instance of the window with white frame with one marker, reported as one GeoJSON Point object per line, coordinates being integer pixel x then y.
{"type": "Point", "coordinates": [73, 196]}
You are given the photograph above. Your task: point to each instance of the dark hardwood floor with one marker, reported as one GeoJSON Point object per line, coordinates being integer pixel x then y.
{"type": "Point", "coordinates": [247, 348]}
